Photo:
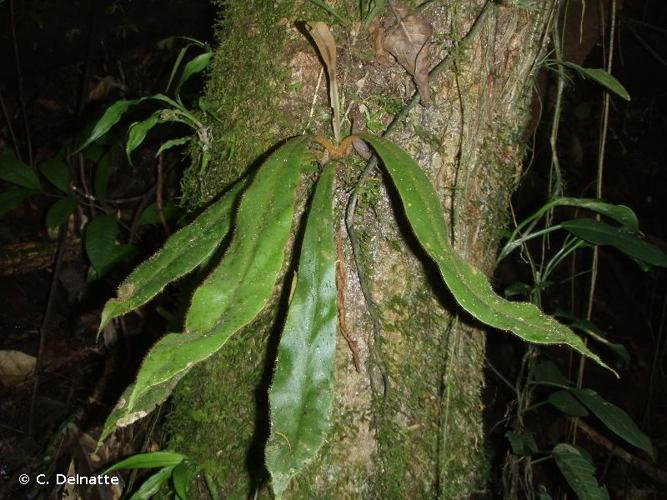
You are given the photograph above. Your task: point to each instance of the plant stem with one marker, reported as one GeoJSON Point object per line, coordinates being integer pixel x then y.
{"type": "Point", "coordinates": [19, 79]}
{"type": "Point", "coordinates": [48, 312]}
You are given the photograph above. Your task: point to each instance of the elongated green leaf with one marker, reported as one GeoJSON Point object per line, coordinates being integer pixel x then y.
{"type": "Point", "coordinates": [60, 211]}
{"type": "Point", "coordinates": [579, 473]}
{"type": "Point", "coordinates": [100, 238]}
{"type": "Point", "coordinates": [601, 77]}
{"type": "Point", "coordinates": [619, 422]}
{"type": "Point", "coordinates": [182, 477]}
{"type": "Point", "coordinates": [148, 461]}
{"type": "Point", "coordinates": [151, 215]}
{"type": "Point", "coordinates": [57, 173]}
{"type": "Point", "coordinates": [111, 116]}
{"type": "Point", "coordinates": [138, 131]}
{"type": "Point", "coordinates": [172, 143]}
{"type": "Point", "coordinates": [594, 332]}
{"type": "Point", "coordinates": [152, 485]}
{"type": "Point", "coordinates": [301, 393]}
{"type": "Point", "coordinates": [599, 233]}
{"type": "Point", "coordinates": [115, 112]}
{"type": "Point", "coordinates": [469, 286]}
{"type": "Point", "coordinates": [177, 64]}
{"type": "Point", "coordinates": [329, 10]}
{"type": "Point", "coordinates": [567, 403]}
{"type": "Point", "coordinates": [182, 252]}
{"type": "Point", "coordinates": [193, 66]}
{"type": "Point", "coordinates": [620, 213]}
{"type": "Point", "coordinates": [11, 199]}
{"type": "Point", "coordinates": [15, 171]}
{"type": "Point", "coordinates": [374, 8]}
{"type": "Point", "coordinates": [233, 294]}
{"type": "Point", "coordinates": [517, 289]}
{"type": "Point", "coordinates": [590, 329]}
{"type": "Point", "coordinates": [102, 175]}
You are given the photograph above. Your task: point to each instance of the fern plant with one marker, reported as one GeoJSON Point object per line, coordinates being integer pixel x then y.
{"type": "Point", "coordinates": [241, 285]}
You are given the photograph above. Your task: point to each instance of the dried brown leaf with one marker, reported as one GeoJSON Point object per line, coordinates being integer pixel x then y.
{"type": "Point", "coordinates": [15, 367]}
{"type": "Point", "coordinates": [407, 37]}
{"type": "Point", "coordinates": [326, 45]}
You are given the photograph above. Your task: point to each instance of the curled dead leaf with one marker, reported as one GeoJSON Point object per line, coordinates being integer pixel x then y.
{"type": "Point", "coordinates": [407, 37]}
{"type": "Point", "coordinates": [326, 45]}
{"type": "Point", "coordinates": [15, 367]}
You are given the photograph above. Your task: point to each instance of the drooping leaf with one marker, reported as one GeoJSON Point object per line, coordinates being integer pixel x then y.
{"type": "Point", "coordinates": [594, 332]}
{"type": "Point", "coordinates": [233, 294]}
{"type": "Point", "coordinates": [100, 239]}
{"type": "Point", "coordinates": [172, 143]}
{"type": "Point", "coordinates": [193, 66]}
{"type": "Point", "coordinates": [599, 233]}
{"type": "Point", "coordinates": [579, 473]}
{"type": "Point", "coordinates": [183, 251]}
{"type": "Point", "coordinates": [177, 64]}
{"type": "Point", "coordinates": [148, 461]}
{"type": "Point", "coordinates": [152, 485]}
{"type": "Point", "coordinates": [547, 372]}
{"type": "Point", "coordinates": [111, 116]}
{"type": "Point", "coordinates": [102, 175]}
{"type": "Point", "coordinates": [57, 173]}
{"type": "Point", "coordinates": [302, 389]}
{"type": "Point", "coordinates": [12, 198]}
{"type": "Point", "coordinates": [60, 211]}
{"type": "Point", "coordinates": [469, 286]}
{"type": "Point", "coordinates": [517, 289]}
{"type": "Point", "coordinates": [616, 420]}
{"type": "Point", "coordinates": [151, 215]}
{"type": "Point", "coordinates": [566, 402]}
{"type": "Point", "coordinates": [408, 41]}
{"type": "Point", "coordinates": [590, 329]}
{"type": "Point", "coordinates": [522, 444]}
{"type": "Point", "coordinates": [619, 213]}
{"type": "Point", "coordinates": [182, 477]}
{"type": "Point", "coordinates": [601, 77]}
{"type": "Point", "coordinates": [120, 255]}
{"type": "Point", "coordinates": [15, 171]}
{"type": "Point", "coordinates": [138, 131]}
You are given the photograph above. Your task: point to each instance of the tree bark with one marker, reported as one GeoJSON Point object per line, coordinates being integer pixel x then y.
{"type": "Point", "coordinates": [409, 423]}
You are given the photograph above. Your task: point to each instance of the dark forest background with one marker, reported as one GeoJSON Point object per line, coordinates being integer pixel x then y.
{"type": "Point", "coordinates": [63, 63]}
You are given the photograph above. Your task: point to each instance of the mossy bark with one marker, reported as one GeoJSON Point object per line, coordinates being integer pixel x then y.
{"type": "Point", "coordinates": [409, 424]}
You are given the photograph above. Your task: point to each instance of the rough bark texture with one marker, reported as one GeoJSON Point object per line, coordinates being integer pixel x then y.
{"type": "Point", "coordinates": [410, 424]}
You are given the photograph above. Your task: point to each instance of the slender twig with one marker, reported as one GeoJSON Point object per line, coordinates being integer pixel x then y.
{"type": "Point", "coordinates": [19, 80]}
{"type": "Point", "coordinates": [646, 467]}
{"type": "Point", "coordinates": [598, 193]}
{"type": "Point", "coordinates": [46, 320]}
{"type": "Point", "coordinates": [84, 182]}
{"type": "Point", "coordinates": [10, 127]}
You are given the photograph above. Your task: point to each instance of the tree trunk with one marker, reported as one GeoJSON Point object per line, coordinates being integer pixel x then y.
{"type": "Point", "coordinates": [409, 423]}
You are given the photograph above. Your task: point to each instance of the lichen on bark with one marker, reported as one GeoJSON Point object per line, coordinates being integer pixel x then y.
{"type": "Point", "coordinates": [419, 435]}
